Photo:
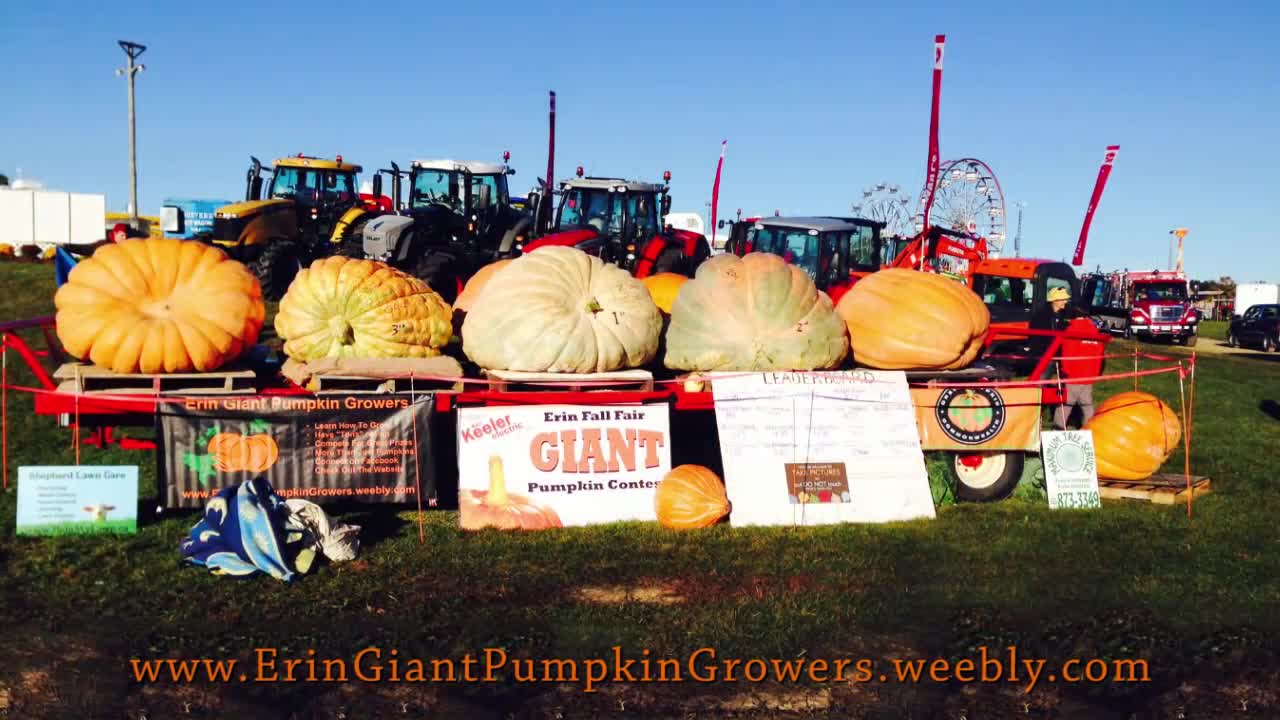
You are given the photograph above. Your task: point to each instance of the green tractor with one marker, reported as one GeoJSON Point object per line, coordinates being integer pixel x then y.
{"type": "Point", "coordinates": [311, 207]}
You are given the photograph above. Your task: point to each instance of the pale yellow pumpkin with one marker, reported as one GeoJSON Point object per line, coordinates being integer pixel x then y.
{"type": "Point", "coordinates": [906, 319]}
{"type": "Point", "coordinates": [159, 306]}
{"type": "Point", "coordinates": [347, 308]}
{"type": "Point", "coordinates": [754, 313]}
{"type": "Point", "coordinates": [561, 310]}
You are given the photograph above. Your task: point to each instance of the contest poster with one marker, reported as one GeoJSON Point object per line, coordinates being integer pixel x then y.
{"type": "Point", "coordinates": [978, 418]}
{"type": "Point", "coordinates": [77, 499]}
{"type": "Point", "coordinates": [820, 448]}
{"type": "Point", "coordinates": [326, 448]}
{"type": "Point", "coordinates": [533, 467]}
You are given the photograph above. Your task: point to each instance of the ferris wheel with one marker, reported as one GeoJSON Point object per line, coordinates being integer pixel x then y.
{"type": "Point", "coordinates": [886, 203]}
{"type": "Point", "coordinates": [969, 200]}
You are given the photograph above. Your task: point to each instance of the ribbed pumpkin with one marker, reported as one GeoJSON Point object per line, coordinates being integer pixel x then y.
{"type": "Point", "coordinates": [561, 310]}
{"type": "Point", "coordinates": [663, 288]}
{"type": "Point", "coordinates": [347, 308]}
{"type": "Point", "coordinates": [1133, 434]}
{"type": "Point", "coordinates": [905, 319]}
{"type": "Point", "coordinates": [754, 312]}
{"type": "Point", "coordinates": [690, 496]}
{"type": "Point", "coordinates": [476, 285]}
{"type": "Point", "coordinates": [497, 508]}
{"type": "Point", "coordinates": [6, 250]}
{"type": "Point", "coordinates": [253, 453]}
{"type": "Point", "coordinates": [159, 306]}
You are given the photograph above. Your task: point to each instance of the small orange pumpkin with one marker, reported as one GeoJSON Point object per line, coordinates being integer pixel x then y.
{"type": "Point", "coordinates": [233, 452]}
{"type": "Point", "coordinates": [476, 285]}
{"type": "Point", "coordinates": [497, 508]}
{"type": "Point", "coordinates": [1133, 434]}
{"type": "Point", "coordinates": [690, 496]}
{"type": "Point", "coordinates": [663, 288]}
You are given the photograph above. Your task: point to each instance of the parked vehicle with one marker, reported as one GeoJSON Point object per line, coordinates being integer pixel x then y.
{"type": "Point", "coordinates": [621, 222]}
{"type": "Point", "coordinates": [1258, 327]}
{"type": "Point", "coordinates": [834, 251]}
{"type": "Point", "coordinates": [306, 212]}
{"type": "Point", "coordinates": [458, 217]}
{"type": "Point", "coordinates": [1146, 305]}
{"type": "Point", "coordinates": [1250, 294]}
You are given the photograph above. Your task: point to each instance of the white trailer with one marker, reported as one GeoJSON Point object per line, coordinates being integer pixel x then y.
{"type": "Point", "coordinates": [1250, 294]}
{"type": "Point", "coordinates": [49, 217]}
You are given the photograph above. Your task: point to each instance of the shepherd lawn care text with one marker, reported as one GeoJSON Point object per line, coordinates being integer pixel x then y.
{"type": "Point", "coordinates": [373, 665]}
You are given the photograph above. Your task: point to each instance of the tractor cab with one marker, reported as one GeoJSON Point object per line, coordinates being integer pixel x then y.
{"type": "Point", "coordinates": [297, 210]}
{"type": "Point", "coordinates": [834, 251]}
{"type": "Point", "coordinates": [1015, 290]}
{"type": "Point", "coordinates": [621, 221]}
{"type": "Point", "coordinates": [457, 216]}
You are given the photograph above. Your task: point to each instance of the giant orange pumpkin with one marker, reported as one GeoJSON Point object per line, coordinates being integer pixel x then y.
{"type": "Point", "coordinates": [753, 313]}
{"type": "Point", "coordinates": [159, 306]}
{"type": "Point", "coordinates": [690, 496]}
{"type": "Point", "coordinates": [1133, 434]}
{"type": "Point", "coordinates": [663, 288]}
{"type": "Point", "coordinates": [233, 452]}
{"type": "Point", "coordinates": [909, 320]}
{"type": "Point", "coordinates": [497, 508]}
{"type": "Point", "coordinates": [476, 285]}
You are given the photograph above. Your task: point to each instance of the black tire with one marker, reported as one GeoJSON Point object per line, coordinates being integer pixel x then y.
{"type": "Point", "coordinates": [1128, 333]}
{"type": "Point", "coordinates": [440, 272]}
{"type": "Point", "coordinates": [352, 244]}
{"type": "Point", "coordinates": [669, 260]}
{"type": "Point", "coordinates": [998, 484]}
{"type": "Point", "coordinates": [1232, 341]}
{"type": "Point", "coordinates": [1269, 344]}
{"type": "Point", "coordinates": [1190, 340]}
{"type": "Point", "coordinates": [276, 267]}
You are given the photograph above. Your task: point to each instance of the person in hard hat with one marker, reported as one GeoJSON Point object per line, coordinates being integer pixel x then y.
{"type": "Point", "coordinates": [1057, 316]}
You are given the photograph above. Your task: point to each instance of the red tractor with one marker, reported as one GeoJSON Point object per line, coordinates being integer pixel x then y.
{"type": "Point", "coordinates": [620, 221]}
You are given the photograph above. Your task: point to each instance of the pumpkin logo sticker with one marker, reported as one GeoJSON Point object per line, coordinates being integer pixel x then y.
{"type": "Point", "coordinates": [971, 416]}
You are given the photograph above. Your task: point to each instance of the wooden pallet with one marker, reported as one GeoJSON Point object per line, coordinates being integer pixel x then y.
{"type": "Point", "coordinates": [515, 381]}
{"type": "Point", "coordinates": [84, 378]}
{"type": "Point", "coordinates": [375, 376]}
{"type": "Point", "coordinates": [1161, 489]}
{"type": "Point", "coordinates": [338, 383]}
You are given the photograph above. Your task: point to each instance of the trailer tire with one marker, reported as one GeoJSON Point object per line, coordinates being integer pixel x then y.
{"type": "Point", "coordinates": [984, 477]}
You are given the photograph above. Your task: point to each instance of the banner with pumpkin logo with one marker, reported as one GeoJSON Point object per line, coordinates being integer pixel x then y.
{"type": "Point", "coordinates": [361, 448]}
{"type": "Point", "coordinates": [978, 418]}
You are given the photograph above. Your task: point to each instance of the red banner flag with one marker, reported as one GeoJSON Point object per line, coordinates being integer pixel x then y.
{"type": "Point", "coordinates": [546, 210]}
{"type": "Point", "coordinates": [715, 192]}
{"type": "Point", "coordinates": [1103, 173]}
{"type": "Point", "coordinates": [931, 172]}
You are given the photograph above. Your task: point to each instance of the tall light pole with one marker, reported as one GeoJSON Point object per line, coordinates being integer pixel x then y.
{"type": "Point", "coordinates": [133, 50]}
{"type": "Point", "coordinates": [1017, 238]}
{"type": "Point", "coordinates": [1179, 233]}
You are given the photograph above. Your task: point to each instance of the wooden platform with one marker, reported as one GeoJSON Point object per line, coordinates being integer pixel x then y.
{"type": "Point", "coordinates": [515, 381]}
{"type": "Point", "coordinates": [330, 376]}
{"type": "Point", "coordinates": [1161, 489]}
{"type": "Point", "coordinates": [338, 383]}
{"type": "Point", "coordinates": [84, 378]}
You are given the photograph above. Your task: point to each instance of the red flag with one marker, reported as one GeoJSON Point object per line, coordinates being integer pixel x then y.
{"type": "Point", "coordinates": [931, 172]}
{"type": "Point", "coordinates": [715, 191]}
{"type": "Point", "coordinates": [1103, 173]}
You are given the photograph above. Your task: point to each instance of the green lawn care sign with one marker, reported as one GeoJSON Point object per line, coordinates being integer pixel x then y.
{"type": "Point", "coordinates": [77, 500]}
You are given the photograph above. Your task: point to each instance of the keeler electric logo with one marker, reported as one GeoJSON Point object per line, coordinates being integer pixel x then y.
{"type": "Point", "coordinates": [971, 416]}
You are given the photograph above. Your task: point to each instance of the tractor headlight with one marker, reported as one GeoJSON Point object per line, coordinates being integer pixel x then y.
{"type": "Point", "coordinates": [631, 256]}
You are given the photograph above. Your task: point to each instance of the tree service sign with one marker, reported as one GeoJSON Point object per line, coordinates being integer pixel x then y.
{"type": "Point", "coordinates": [532, 467]}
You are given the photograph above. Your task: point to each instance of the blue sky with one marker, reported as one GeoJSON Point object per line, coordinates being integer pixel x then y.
{"type": "Point", "coordinates": [817, 100]}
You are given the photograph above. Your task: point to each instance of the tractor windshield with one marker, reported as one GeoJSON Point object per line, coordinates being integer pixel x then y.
{"type": "Point", "coordinates": [438, 187]}
{"type": "Point", "coordinates": [1160, 291]}
{"type": "Point", "coordinates": [642, 209]}
{"type": "Point", "coordinates": [592, 207]}
{"type": "Point", "coordinates": [797, 246]}
{"type": "Point", "coordinates": [497, 185]}
{"type": "Point", "coordinates": [310, 187]}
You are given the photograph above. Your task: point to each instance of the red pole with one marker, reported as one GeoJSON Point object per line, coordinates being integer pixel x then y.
{"type": "Point", "coordinates": [715, 191]}
{"type": "Point", "coordinates": [1104, 172]}
{"type": "Point", "coordinates": [4, 407]}
{"type": "Point", "coordinates": [931, 171]}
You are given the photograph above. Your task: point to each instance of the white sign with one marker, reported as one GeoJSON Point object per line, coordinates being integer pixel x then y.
{"type": "Point", "coordinates": [820, 448]}
{"type": "Point", "coordinates": [77, 500]}
{"type": "Point", "coordinates": [538, 466]}
{"type": "Point", "coordinates": [1070, 469]}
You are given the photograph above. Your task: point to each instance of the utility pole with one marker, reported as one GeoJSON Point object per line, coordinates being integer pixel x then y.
{"type": "Point", "coordinates": [133, 50]}
{"type": "Point", "coordinates": [1017, 237]}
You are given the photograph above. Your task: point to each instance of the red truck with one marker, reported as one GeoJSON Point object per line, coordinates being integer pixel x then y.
{"type": "Point", "coordinates": [1146, 305]}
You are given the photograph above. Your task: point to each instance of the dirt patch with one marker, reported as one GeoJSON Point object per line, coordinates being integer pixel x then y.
{"type": "Point", "coordinates": [655, 593]}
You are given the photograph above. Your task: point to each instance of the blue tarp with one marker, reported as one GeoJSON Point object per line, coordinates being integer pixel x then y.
{"type": "Point", "coordinates": [242, 532]}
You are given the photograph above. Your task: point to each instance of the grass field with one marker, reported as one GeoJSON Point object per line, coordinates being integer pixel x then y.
{"type": "Point", "coordinates": [1198, 598]}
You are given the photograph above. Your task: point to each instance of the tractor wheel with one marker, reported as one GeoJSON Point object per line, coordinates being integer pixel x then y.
{"type": "Point", "coordinates": [440, 272]}
{"type": "Point", "coordinates": [276, 266]}
{"type": "Point", "coordinates": [982, 477]}
{"type": "Point", "coordinates": [672, 260]}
